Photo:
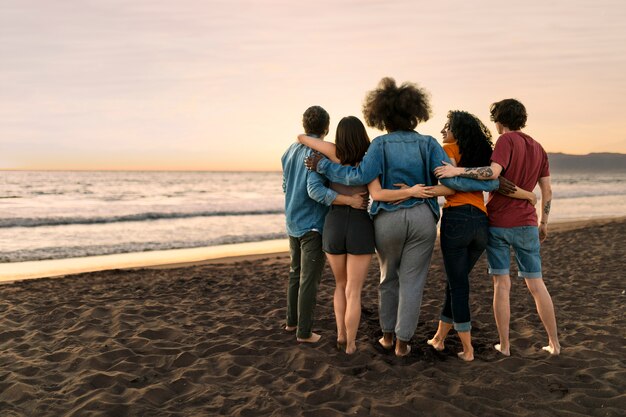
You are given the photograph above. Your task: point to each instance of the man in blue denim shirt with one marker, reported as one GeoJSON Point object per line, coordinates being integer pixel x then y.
{"type": "Point", "coordinates": [307, 199]}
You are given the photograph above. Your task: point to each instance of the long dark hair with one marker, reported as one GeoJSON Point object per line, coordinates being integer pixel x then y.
{"type": "Point", "coordinates": [473, 138]}
{"type": "Point", "coordinates": [351, 140]}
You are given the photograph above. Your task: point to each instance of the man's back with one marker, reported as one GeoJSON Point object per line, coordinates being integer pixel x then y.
{"type": "Point", "coordinates": [523, 161]}
{"type": "Point", "coordinates": [302, 212]}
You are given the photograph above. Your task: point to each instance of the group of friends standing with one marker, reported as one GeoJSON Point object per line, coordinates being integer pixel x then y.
{"type": "Point", "coordinates": [328, 188]}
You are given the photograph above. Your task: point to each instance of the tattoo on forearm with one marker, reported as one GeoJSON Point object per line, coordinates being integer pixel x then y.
{"type": "Point", "coordinates": [546, 208]}
{"type": "Point", "coordinates": [476, 173]}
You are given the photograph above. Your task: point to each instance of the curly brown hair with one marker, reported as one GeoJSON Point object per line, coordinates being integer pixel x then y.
{"type": "Point", "coordinates": [392, 108]}
{"type": "Point", "coordinates": [472, 137]}
{"type": "Point", "coordinates": [315, 120]}
{"type": "Point", "coordinates": [510, 113]}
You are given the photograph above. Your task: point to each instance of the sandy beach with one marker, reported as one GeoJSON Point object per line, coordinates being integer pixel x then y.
{"type": "Point", "coordinates": [207, 339]}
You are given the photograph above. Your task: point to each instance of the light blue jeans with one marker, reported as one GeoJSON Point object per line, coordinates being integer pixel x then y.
{"type": "Point", "coordinates": [525, 242]}
{"type": "Point", "coordinates": [404, 242]}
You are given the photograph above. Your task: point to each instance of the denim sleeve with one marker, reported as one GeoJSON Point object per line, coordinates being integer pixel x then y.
{"type": "Point", "coordinates": [469, 184]}
{"type": "Point", "coordinates": [437, 155]}
{"type": "Point", "coordinates": [364, 173]}
{"type": "Point", "coordinates": [317, 190]}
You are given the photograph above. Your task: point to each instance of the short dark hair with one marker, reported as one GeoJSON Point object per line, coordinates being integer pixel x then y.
{"type": "Point", "coordinates": [510, 113]}
{"type": "Point", "coordinates": [392, 108]}
{"type": "Point", "coordinates": [351, 141]}
{"type": "Point", "coordinates": [315, 120]}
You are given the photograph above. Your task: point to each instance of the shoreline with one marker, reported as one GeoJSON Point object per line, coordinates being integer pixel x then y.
{"type": "Point", "coordinates": [57, 268]}
{"type": "Point", "coordinates": [209, 340]}
{"type": "Point", "coordinates": [176, 258]}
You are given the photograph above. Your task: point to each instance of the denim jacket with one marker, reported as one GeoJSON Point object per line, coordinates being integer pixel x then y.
{"type": "Point", "coordinates": [307, 195]}
{"type": "Point", "coordinates": [402, 157]}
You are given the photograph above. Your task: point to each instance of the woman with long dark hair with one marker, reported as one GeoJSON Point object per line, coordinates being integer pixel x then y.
{"type": "Point", "coordinates": [464, 226]}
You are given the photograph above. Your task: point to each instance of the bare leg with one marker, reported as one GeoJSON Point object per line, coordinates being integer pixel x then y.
{"type": "Point", "coordinates": [338, 266]}
{"type": "Point", "coordinates": [502, 311]}
{"type": "Point", "coordinates": [386, 341]}
{"type": "Point", "coordinates": [402, 348]}
{"type": "Point", "coordinates": [357, 267]}
{"type": "Point", "coordinates": [545, 308]}
{"type": "Point", "coordinates": [468, 350]}
{"type": "Point", "coordinates": [437, 341]}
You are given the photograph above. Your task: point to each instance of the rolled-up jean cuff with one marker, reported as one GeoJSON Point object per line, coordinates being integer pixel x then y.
{"type": "Point", "coordinates": [403, 338]}
{"type": "Point", "coordinates": [463, 327]}
{"type": "Point", "coordinates": [498, 271]}
{"type": "Point", "coordinates": [529, 274]}
{"type": "Point", "coordinates": [446, 319]}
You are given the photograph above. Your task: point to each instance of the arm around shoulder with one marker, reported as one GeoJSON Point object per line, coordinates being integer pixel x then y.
{"type": "Point", "coordinates": [325, 148]}
{"type": "Point", "coordinates": [490, 172]}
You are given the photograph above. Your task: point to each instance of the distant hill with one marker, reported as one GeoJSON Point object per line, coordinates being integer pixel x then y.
{"type": "Point", "coordinates": [560, 162]}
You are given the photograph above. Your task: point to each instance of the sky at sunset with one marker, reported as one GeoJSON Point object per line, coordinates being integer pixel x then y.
{"type": "Point", "coordinates": [222, 85]}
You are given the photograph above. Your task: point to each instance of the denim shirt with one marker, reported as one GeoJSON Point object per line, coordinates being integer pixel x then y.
{"type": "Point", "coordinates": [307, 195]}
{"type": "Point", "coordinates": [402, 157]}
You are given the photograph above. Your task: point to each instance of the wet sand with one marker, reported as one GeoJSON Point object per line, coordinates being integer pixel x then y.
{"type": "Point", "coordinates": [207, 340]}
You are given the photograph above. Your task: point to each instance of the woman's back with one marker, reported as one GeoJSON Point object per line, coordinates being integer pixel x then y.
{"type": "Point", "coordinates": [474, 198]}
{"type": "Point", "coordinates": [407, 157]}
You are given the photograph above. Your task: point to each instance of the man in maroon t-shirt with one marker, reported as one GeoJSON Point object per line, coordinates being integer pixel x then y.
{"type": "Point", "coordinates": [513, 222]}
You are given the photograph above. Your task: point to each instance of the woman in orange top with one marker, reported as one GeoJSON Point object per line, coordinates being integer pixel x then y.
{"type": "Point", "coordinates": [464, 226]}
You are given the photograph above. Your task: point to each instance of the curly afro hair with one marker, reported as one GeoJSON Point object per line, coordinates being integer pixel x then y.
{"type": "Point", "coordinates": [315, 120]}
{"type": "Point", "coordinates": [392, 108]}
{"type": "Point", "coordinates": [473, 138]}
{"type": "Point", "coordinates": [510, 113]}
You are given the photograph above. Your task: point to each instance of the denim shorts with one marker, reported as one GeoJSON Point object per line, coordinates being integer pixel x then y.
{"type": "Point", "coordinates": [525, 243]}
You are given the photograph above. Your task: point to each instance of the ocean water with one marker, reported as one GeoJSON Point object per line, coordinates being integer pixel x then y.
{"type": "Point", "coordinates": [53, 214]}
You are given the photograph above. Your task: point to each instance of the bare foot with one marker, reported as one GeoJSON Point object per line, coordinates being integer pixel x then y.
{"type": "Point", "coordinates": [341, 345]}
{"type": "Point", "coordinates": [401, 353]}
{"type": "Point", "coordinates": [350, 348]}
{"type": "Point", "coordinates": [554, 351]}
{"type": "Point", "coordinates": [503, 351]}
{"type": "Point", "coordinates": [467, 357]}
{"type": "Point", "coordinates": [384, 344]}
{"type": "Point", "coordinates": [291, 328]}
{"type": "Point", "coordinates": [314, 338]}
{"type": "Point", "coordinates": [436, 343]}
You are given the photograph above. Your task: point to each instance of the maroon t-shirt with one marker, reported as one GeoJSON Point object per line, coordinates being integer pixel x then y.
{"type": "Point", "coordinates": [523, 161]}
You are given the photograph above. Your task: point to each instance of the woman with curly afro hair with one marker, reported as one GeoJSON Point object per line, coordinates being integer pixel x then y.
{"type": "Point", "coordinates": [464, 226]}
{"type": "Point", "coordinates": [405, 232]}
{"type": "Point", "coordinates": [348, 237]}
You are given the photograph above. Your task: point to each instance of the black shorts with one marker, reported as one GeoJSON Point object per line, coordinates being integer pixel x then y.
{"type": "Point", "coordinates": [348, 230]}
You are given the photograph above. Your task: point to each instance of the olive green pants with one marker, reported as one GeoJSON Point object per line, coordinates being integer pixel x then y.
{"type": "Point", "coordinates": [305, 274]}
